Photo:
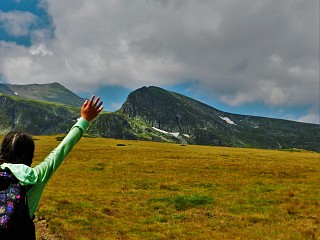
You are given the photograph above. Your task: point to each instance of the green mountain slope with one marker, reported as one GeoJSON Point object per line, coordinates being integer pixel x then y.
{"type": "Point", "coordinates": [206, 125]}
{"type": "Point", "coordinates": [45, 118]}
{"type": "Point", "coordinates": [35, 117]}
{"type": "Point", "coordinates": [51, 92]}
{"type": "Point", "coordinates": [154, 114]}
{"type": "Point", "coordinates": [119, 125]}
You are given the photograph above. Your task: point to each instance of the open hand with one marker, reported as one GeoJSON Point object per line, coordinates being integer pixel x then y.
{"type": "Point", "coordinates": [90, 109]}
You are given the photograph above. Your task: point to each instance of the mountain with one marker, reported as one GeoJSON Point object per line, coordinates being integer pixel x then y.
{"type": "Point", "coordinates": [155, 114]}
{"type": "Point", "coordinates": [51, 92]}
{"type": "Point", "coordinates": [35, 117]}
{"type": "Point", "coordinates": [198, 123]}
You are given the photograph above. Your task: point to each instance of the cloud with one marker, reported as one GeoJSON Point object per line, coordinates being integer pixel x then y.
{"type": "Point", "coordinates": [40, 50]}
{"type": "Point", "coordinates": [17, 23]}
{"type": "Point", "coordinates": [238, 51]}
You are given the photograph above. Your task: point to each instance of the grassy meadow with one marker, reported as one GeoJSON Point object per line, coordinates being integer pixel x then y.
{"type": "Point", "coordinates": [117, 189]}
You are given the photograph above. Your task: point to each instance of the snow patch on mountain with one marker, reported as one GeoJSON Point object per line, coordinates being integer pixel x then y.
{"type": "Point", "coordinates": [175, 134]}
{"type": "Point", "coordinates": [228, 120]}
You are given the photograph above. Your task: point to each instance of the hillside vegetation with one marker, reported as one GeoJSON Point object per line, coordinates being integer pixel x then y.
{"type": "Point", "coordinates": [151, 114]}
{"type": "Point", "coordinates": [198, 123]}
{"type": "Point", "coordinates": [50, 92]}
{"type": "Point", "coordinates": [35, 117]}
{"type": "Point", "coordinates": [120, 189]}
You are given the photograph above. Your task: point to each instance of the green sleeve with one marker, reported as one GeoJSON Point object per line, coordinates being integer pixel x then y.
{"type": "Point", "coordinates": [45, 169]}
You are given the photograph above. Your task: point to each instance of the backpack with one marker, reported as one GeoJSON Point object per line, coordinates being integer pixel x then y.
{"type": "Point", "coordinates": [14, 212]}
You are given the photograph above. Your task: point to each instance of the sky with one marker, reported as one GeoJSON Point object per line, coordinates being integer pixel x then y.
{"type": "Point", "coordinates": [240, 56]}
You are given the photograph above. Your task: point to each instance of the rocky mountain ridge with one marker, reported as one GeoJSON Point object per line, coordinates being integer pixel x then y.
{"type": "Point", "coordinates": [155, 114]}
{"type": "Point", "coordinates": [203, 124]}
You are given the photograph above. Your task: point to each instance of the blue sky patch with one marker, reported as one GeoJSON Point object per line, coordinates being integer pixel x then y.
{"type": "Point", "coordinates": [43, 20]}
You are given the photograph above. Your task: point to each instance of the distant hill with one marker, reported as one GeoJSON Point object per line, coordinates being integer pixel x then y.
{"type": "Point", "coordinates": [155, 114]}
{"type": "Point", "coordinates": [51, 92]}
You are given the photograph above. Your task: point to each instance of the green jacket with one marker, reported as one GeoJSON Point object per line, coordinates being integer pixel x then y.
{"type": "Point", "coordinates": [38, 176]}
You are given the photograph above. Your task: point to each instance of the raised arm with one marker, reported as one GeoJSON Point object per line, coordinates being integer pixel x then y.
{"type": "Point", "coordinates": [41, 173]}
{"type": "Point", "coordinates": [89, 111]}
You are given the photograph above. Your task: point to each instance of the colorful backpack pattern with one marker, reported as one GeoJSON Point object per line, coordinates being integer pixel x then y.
{"type": "Point", "coordinates": [13, 204]}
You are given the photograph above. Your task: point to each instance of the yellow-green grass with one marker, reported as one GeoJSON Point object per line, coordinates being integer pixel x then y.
{"type": "Point", "coordinates": [117, 189]}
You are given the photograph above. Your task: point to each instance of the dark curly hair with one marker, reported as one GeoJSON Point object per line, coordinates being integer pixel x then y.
{"type": "Point", "coordinates": [17, 147]}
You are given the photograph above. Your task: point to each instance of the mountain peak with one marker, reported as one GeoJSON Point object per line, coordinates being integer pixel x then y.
{"type": "Point", "coordinates": [180, 115]}
{"type": "Point", "coordinates": [166, 110]}
{"type": "Point", "coordinates": [49, 92]}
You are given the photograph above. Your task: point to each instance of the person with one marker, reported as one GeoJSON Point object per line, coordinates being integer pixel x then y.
{"type": "Point", "coordinates": [17, 152]}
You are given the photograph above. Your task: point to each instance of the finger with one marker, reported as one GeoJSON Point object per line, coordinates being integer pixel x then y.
{"type": "Point", "coordinates": [91, 100]}
{"type": "Point", "coordinates": [96, 101]}
{"type": "Point", "coordinates": [99, 105]}
{"type": "Point", "coordinates": [100, 109]}
{"type": "Point", "coordinates": [85, 103]}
